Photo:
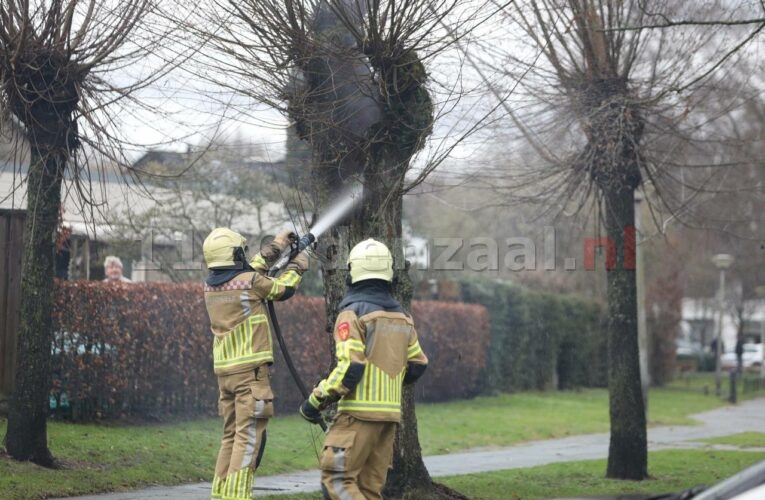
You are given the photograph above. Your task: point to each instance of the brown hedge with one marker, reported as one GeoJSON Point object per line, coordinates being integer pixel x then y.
{"type": "Point", "coordinates": [455, 338]}
{"type": "Point", "coordinates": [132, 349]}
{"type": "Point", "coordinates": [144, 349]}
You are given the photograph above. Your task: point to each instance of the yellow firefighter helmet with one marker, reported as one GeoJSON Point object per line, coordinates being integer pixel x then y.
{"type": "Point", "coordinates": [221, 246]}
{"type": "Point", "coordinates": [370, 260]}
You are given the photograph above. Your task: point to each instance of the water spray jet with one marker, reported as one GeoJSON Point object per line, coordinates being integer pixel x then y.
{"type": "Point", "coordinates": [335, 213]}
{"type": "Point", "coordinates": [339, 209]}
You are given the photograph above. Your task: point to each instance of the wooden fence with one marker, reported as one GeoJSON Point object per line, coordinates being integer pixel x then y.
{"type": "Point", "coordinates": [11, 242]}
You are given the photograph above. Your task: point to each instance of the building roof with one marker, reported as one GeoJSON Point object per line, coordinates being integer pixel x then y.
{"type": "Point", "coordinates": [116, 200]}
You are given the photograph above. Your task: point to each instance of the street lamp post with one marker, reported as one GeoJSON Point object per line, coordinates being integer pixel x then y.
{"type": "Point", "coordinates": [760, 291]}
{"type": "Point", "coordinates": [722, 261]}
{"type": "Point", "coordinates": [643, 343]}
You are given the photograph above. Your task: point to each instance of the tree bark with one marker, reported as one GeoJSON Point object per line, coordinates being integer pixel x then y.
{"type": "Point", "coordinates": [26, 437]}
{"type": "Point", "coordinates": [409, 477]}
{"type": "Point", "coordinates": [356, 133]}
{"type": "Point", "coordinates": [614, 129]}
{"type": "Point", "coordinates": [627, 451]}
{"type": "Point", "coordinates": [381, 219]}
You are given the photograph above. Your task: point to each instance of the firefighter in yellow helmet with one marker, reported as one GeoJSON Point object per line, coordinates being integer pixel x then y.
{"type": "Point", "coordinates": [235, 291]}
{"type": "Point", "coordinates": [377, 352]}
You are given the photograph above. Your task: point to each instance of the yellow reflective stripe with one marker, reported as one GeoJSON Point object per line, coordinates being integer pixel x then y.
{"type": "Point", "coordinates": [374, 384]}
{"type": "Point", "coordinates": [376, 388]}
{"type": "Point", "coordinates": [217, 488]}
{"type": "Point", "coordinates": [288, 278]}
{"type": "Point", "coordinates": [239, 340]}
{"type": "Point", "coordinates": [236, 347]}
{"type": "Point", "coordinates": [274, 291]}
{"type": "Point", "coordinates": [413, 350]}
{"type": "Point", "coordinates": [385, 387]}
{"type": "Point", "coordinates": [353, 405]}
{"type": "Point", "coordinates": [367, 385]}
{"type": "Point", "coordinates": [259, 264]}
{"type": "Point", "coordinates": [342, 350]}
{"type": "Point", "coordinates": [259, 356]}
{"type": "Point", "coordinates": [334, 381]}
{"type": "Point", "coordinates": [239, 485]}
{"type": "Point", "coordinates": [355, 345]}
{"type": "Point", "coordinates": [216, 347]}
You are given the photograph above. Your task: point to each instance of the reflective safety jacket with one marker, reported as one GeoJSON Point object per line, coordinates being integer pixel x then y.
{"type": "Point", "coordinates": [377, 352]}
{"type": "Point", "coordinates": [239, 319]}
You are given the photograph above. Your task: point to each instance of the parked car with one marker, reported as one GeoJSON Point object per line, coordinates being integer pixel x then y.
{"type": "Point", "coordinates": [750, 358]}
{"type": "Point", "coordinates": [688, 348]}
{"type": "Point", "coordinates": [70, 345]}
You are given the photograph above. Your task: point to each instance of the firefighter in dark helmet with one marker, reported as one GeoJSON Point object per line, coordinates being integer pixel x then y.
{"type": "Point", "coordinates": [235, 291]}
{"type": "Point", "coordinates": [377, 352]}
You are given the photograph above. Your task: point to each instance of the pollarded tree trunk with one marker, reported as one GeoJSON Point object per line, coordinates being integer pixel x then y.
{"type": "Point", "coordinates": [614, 131]}
{"type": "Point", "coordinates": [43, 95]}
{"type": "Point", "coordinates": [369, 128]}
{"type": "Point", "coordinates": [26, 438]}
{"type": "Point", "coordinates": [627, 453]}
{"type": "Point", "coordinates": [381, 218]}
{"type": "Point", "coordinates": [409, 476]}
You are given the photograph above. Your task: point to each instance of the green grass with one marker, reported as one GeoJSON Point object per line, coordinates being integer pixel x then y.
{"type": "Point", "coordinates": [513, 418]}
{"type": "Point", "coordinates": [108, 458]}
{"type": "Point", "coordinates": [670, 406]}
{"type": "Point", "coordinates": [509, 419]}
{"type": "Point", "coordinates": [111, 458]}
{"type": "Point", "coordinates": [671, 471]}
{"type": "Point", "coordinates": [102, 458]}
{"type": "Point", "coordinates": [741, 440]}
{"type": "Point", "coordinates": [705, 382]}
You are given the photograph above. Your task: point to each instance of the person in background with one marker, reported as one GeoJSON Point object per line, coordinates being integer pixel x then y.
{"type": "Point", "coordinates": [739, 354]}
{"type": "Point", "coordinates": [377, 353]}
{"type": "Point", "coordinates": [236, 291]}
{"type": "Point", "coordinates": [113, 270]}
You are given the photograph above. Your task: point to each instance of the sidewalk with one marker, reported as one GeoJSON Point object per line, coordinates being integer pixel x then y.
{"type": "Point", "coordinates": [745, 417]}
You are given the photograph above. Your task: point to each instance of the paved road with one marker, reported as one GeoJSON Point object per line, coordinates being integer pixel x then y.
{"type": "Point", "coordinates": [747, 416]}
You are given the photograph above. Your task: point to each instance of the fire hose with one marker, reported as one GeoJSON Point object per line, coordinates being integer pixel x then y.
{"type": "Point", "coordinates": [280, 264]}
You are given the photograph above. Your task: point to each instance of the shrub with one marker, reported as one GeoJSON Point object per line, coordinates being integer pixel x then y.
{"type": "Point", "coordinates": [455, 337]}
{"type": "Point", "coordinates": [540, 340]}
{"type": "Point", "coordinates": [144, 349]}
{"type": "Point", "coordinates": [132, 349]}
{"type": "Point", "coordinates": [664, 305]}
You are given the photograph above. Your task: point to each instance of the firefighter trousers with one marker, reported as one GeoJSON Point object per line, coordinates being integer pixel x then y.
{"type": "Point", "coordinates": [245, 403]}
{"type": "Point", "coordinates": [356, 457]}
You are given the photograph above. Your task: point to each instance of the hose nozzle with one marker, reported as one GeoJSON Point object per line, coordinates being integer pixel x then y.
{"type": "Point", "coordinates": [288, 255]}
{"type": "Point", "coordinates": [303, 243]}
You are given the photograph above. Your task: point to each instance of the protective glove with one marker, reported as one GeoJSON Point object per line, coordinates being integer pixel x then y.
{"type": "Point", "coordinates": [284, 238]}
{"type": "Point", "coordinates": [299, 263]}
{"type": "Point", "coordinates": [271, 250]}
{"type": "Point", "coordinates": [309, 410]}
